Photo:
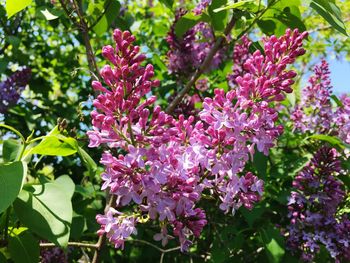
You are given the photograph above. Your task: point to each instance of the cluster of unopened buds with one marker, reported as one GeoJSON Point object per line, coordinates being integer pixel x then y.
{"type": "Point", "coordinates": [160, 167]}
{"type": "Point", "coordinates": [313, 209]}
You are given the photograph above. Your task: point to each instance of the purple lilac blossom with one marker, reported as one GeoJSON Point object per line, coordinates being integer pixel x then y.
{"type": "Point", "coordinates": [168, 163]}
{"type": "Point", "coordinates": [312, 209]}
{"type": "Point", "coordinates": [53, 255]}
{"type": "Point", "coordinates": [316, 114]}
{"type": "Point", "coordinates": [188, 52]}
{"type": "Point", "coordinates": [11, 88]}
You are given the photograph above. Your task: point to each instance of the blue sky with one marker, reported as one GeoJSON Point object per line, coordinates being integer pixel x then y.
{"type": "Point", "coordinates": [340, 75]}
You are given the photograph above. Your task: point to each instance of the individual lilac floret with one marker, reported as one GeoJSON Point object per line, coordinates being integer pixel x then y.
{"type": "Point", "coordinates": [11, 88]}
{"type": "Point", "coordinates": [312, 210]}
{"type": "Point", "coordinates": [202, 5]}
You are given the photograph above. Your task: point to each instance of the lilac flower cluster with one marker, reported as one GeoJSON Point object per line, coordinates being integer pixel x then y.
{"type": "Point", "coordinates": [188, 52]}
{"type": "Point", "coordinates": [166, 164]}
{"type": "Point", "coordinates": [11, 88]}
{"type": "Point", "coordinates": [202, 5]}
{"type": "Point", "coordinates": [312, 210]}
{"type": "Point", "coordinates": [315, 113]}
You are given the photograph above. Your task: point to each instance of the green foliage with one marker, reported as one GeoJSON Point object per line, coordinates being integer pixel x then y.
{"type": "Point", "coordinates": [273, 243]}
{"type": "Point", "coordinates": [234, 5]}
{"type": "Point", "coordinates": [23, 247]}
{"type": "Point", "coordinates": [12, 176]}
{"type": "Point", "coordinates": [15, 6]}
{"type": "Point", "coordinates": [57, 145]}
{"type": "Point", "coordinates": [332, 140]}
{"type": "Point", "coordinates": [46, 209]}
{"type": "Point", "coordinates": [168, 3]}
{"type": "Point", "coordinates": [10, 150]}
{"type": "Point", "coordinates": [331, 13]}
{"type": "Point", "coordinates": [218, 19]}
{"type": "Point", "coordinates": [108, 16]}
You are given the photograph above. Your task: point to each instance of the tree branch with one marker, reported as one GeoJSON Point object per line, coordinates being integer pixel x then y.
{"type": "Point", "coordinates": [202, 68]}
{"type": "Point", "coordinates": [71, 244]}
{"type": "Point", "coordinates": [154, 246]}
{"type": "Point", "coordinates": [84, 30]}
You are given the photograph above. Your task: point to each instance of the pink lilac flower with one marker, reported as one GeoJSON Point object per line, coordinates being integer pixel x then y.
{"type": "Point", "coordinates": [313, 207]}
{"type": "Point", "coordinates": [168, 162]}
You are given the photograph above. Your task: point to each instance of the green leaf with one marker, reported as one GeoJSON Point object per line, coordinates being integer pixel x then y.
{"type": "Point", "coordinates": [15, 6]}
{"type": "Point", "coordinates": [290, 20]}
{"type": "Point", "coordinates": [218, 19]}
{"type": "Point", "coordinates": [48, 15]}
{"type": "Point", "coordinates": [251, 216]}
{"type": "Point", "coordinates": [3, 65]}
{"type": "Point", "coordinates": [23, 247]}
{"type": "Point", "coordinates": [267, 26]}
{"type": "Point", "coordinates": [260, 164]}
{"type": "Point", "coordinates": [88, 162]}
{"type": "Point", "coordinates": [14, 41]}
{"type": "Point", "coordinates": [78, 226]}
{"type": "Point", "coordinates": [273, 243]}
{"type": "Point", "coordinates": [2, 258]}
{"type": "Point", "coordinates": [282, 15]}
{"type": "Point", "coordinates": [56, 145]}
{"type": "Point", "coordinates": [234, 5]}
{"type": "Point", "coordinates": [331, 13]}
{"type": "Point", "coordinates": [10, 150]}
{"type": "Point", "coordinates": [11, 181]}
{"type": "Point", "coordinates": [66, 184]}
{"type": "Point", "coordinates": [111, 13]}
{"type": "Point", "coordinates": [337, 101]}
{"type": "Point", "coordinates": [167, 3]}
{"type": "Point", "coordinates": [327, 138]}
{"type": "Point", "coordinates": [47, 209]}
{"type": "Point", "coordinates": [188, 21]}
